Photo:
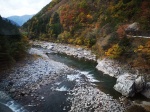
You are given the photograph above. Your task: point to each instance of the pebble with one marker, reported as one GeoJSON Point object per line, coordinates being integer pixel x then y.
{"type": "Point", "coordinates": [83, 97]}
{"type": "Point", "coordinates": [12, 90]}
{"type": "Point", "coordinates": [42, 97]}
{"type": "Point", "coordinates": [41, 71]}
{"type": "Point", "coordinates": [68, 50]}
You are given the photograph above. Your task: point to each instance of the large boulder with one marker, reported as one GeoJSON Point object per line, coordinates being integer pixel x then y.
{"type": "Point", "coordinates": [133, 27]}
{"type": "Point", "coordinates": [110, 67]}
{"type": "Point", "coordinates": [129, 84]}
{"type": "Point", "coordinates": [125, 85]}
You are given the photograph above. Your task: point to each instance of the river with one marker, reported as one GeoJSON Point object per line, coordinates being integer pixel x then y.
{"type": "Point", "coordinates": [56, 82]}
{"type": "Point", "coordinates": [103, 82]}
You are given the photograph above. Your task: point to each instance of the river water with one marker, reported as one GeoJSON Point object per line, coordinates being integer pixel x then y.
{"type": "Point", "coordinates": [104, 82]}
{"type": "Point", "coordinates": [59, 95]}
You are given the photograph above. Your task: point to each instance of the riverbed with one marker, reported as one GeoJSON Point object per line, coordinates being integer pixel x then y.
{"type": "Point", "coordinates": [48, 81]}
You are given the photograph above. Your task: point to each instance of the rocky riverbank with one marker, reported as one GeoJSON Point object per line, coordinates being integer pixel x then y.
{"type": "Point", "coordinates": [110, 67]}
{"type": "Point", "coordinates": [25, 81]}
{"type": "Point", "coordinates": [128, 82]}
{"type": "Point", "coordinates": [77, 52]}
{"type": "Point", "coordinates": [86, 98]}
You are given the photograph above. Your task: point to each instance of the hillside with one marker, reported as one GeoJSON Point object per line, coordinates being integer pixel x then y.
{"type": "Point", "coordinates": [11, 21]}
{"type": "Point", "coordinates": [7, 27]}
{"type": "Point", "coordinates": [109, 27]}
{"type": "Point", "coordinates": [20, 20]}
{"type": "Point", "coordinates": [13, 45]}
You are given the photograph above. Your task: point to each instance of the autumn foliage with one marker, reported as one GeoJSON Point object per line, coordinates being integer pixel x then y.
{"type": "Point", "coordinates": [121, 30]}
{"type": "Point", "coordinates": [144, 51]}
{"type": "Point", "coordinates": [98, 24]}
{"type": "Point", "coordinates": [114, 52]}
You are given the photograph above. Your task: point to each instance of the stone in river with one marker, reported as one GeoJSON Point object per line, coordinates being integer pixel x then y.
{"type": "Point", "coordinates": [129, 84]}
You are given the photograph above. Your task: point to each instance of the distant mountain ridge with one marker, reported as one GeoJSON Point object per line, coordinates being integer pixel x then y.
{"type": "Point", "coordinates": [20, 20]}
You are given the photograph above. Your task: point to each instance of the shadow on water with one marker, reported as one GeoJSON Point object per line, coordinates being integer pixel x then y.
{"type": "Point", "coordinates": [4, 108]}
{"type": "Point", "coordinates": [105, 83]}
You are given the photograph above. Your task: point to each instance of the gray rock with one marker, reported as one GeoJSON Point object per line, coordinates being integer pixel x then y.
{"type": "Point", "coordinates": [42, 97]}
{"type": "Point", "coordinates": [133, 27]}
{"type": "Point", "coordinates": [109, 67]}
{"type": "Point", "coordinates": [12, 90]}
{"type": "Point", "coordinates": [125, 85]}
{"type": "Point", "coordinates": [129, 84]}
{"type": "Point", "coordinates": [50, 47]}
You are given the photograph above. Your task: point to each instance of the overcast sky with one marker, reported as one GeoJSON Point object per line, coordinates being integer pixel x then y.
{"type": "Point", "coordinates": [21, 7]}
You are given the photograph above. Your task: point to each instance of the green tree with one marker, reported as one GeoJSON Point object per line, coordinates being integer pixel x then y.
{"type": "Point", "coordinates": [55, 27]}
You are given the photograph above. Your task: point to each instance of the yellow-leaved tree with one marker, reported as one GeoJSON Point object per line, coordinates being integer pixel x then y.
{"type": "Point", "coordinates": [114, 52]}
{"type": "Point", "coordinates": [144, 51]}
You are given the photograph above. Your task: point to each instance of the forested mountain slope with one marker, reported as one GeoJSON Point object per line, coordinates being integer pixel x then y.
{"type": "Point", "coordinates": [108, 26]}
{"type": "Point", "coordinates": [12, 44]}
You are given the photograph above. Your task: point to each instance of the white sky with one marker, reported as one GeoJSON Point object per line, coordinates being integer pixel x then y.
{"type": "Point", "coordinates": [21, 7]}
